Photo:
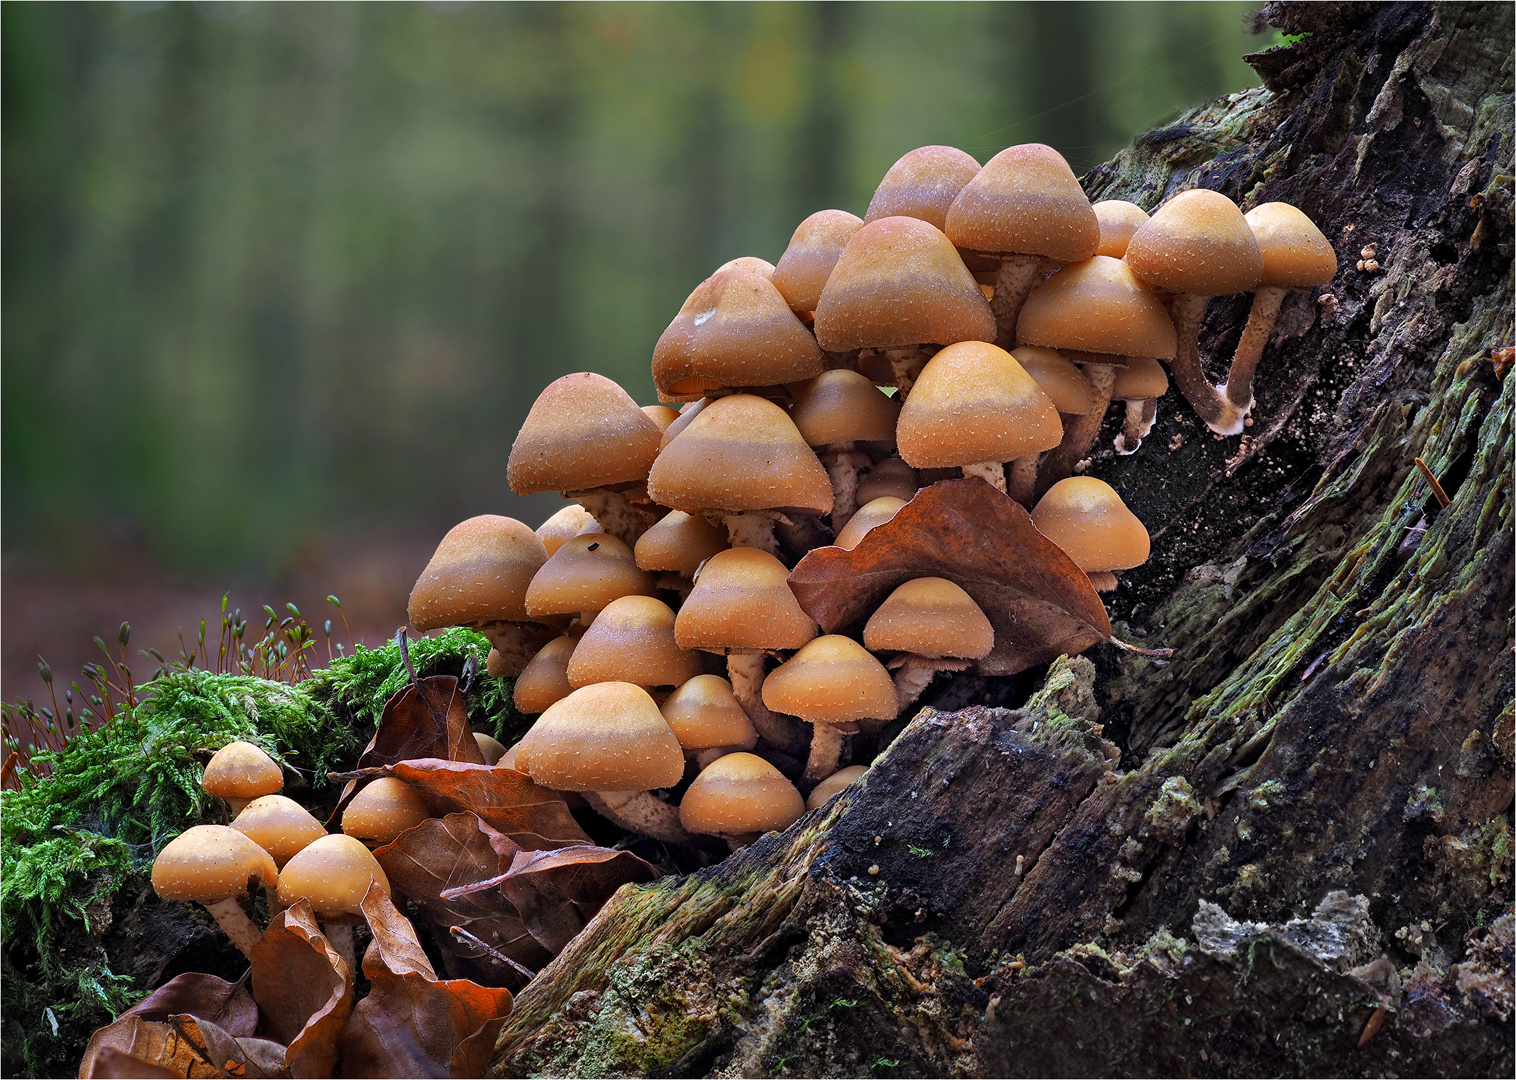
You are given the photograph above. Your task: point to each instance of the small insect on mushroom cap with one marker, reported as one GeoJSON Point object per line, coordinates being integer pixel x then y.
{"type": "Point", "coordinates": [1087, 519]}
{"type": "Point", "coordinates": [572, 520]}
{"type": "Point", "coordinates": [585, 574]}
{"type": "Point", "coordinates": [740, 793]}
{"type": "Point", "coordinates": [240, 770]}
{"type": "Point", "coordinates": [206, 863]}
{"type": "Point", "coordinates": [334, 874]}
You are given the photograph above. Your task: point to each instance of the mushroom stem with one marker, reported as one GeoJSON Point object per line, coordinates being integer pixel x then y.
{"type": "Point", "coordinates": [1022, 483]}
{"type": "Point", "coordinates": [826, 748]}
{"type": "Point", "coordinates": [235, 922]}
{"type": "Point", "coordinates": [913, 674]}
{"type": "Point", "coordinates": [738, 841]}
{"type": "Point", "coordinates": [745, 672]}
{"type": "Point", "coordinates": [1218, 413]}
{"type": "Point", "coordinates": [843, 462]}
{"type": "Point", "coordinates": [1140, 415]}
{"type": "Point", "coordinates": [906, 363]}
{"type": "Point", "coordinates": [1079, 436]}
{"type": "Point", "coordinates": [340, 937]}
{"type": "Point", "coordinates": [676, 583]}
{"type": "Point", "coordinates": [991, 472]}
{"type": "Point", "coordinates": [640, 812]}
{"type": "Point", "coordinates": [616, 513]}
{"type": "Point", "coordinates": [514, 644]}
{"type": "Point", "coordinates": [754, 530]}
{"type": "Point", "coordinates": [1102, 580]}
{"type": "Point", "coordinates": [1238, 387]}
{"type": "Point", "coordinates": [1017, 277]}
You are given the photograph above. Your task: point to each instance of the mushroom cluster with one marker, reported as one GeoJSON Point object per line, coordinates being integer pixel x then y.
{"type": "Point", "coordinates": [978, 321]}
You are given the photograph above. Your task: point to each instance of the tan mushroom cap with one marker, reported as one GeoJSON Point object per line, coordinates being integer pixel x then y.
{"type": "Point", "coordinates": [742, 600]}
{"type": "Point", "coordinates": [900, 282]}
{"type": "Point", "coordinates": [893, 477]}
{"type": "Point", "coordinates": [1295, 253]}
{"type": "Point", "coordinates": [632, 640]}
{"type": "Point", "coordinates": [740, 793]}
{"type": "Point", "coordinates": [606, 737]}
{"type": "Point", "coordinates": [1026, 200]}
{"type": "Point", "coordinates": [679, 542]}
{"type": "Point", "coordinates": [752, 263]}
{"type": "Point", "coordinates": [544, 680]}
{"type": "Point", "coordinates": [844, 406]}
{"type": "Point", "coordinates": [734, 330]}
{"type": "Point", "coordinates": [704, 714]}
{"type": "Point", "coordinates": [923, 184]}
{"type": "Point", "coordinates": [687, 413]}
{"type": "Point", "coordinates": [813, 251]}
{"type": "Point", "coordinates": [822, 793]}
{"type": "Point", "coordinates": [334, 874]}
{"type": "Point", "coordinates": [582, 432]}
{"type": "Point", "coordinates": [870, 516]}
{"type": "Point", "coordinates": [1059, 378]}
{"type": "Point", "coordinates": [741, 453]}
{"type": "Point", "coordinates": [1198, 243]}
{"type": "Point", "coordinates": [490, 748]}
{"type": "Point", "coordinates": [280, 826]}
{"type": "Point", "coordinates": [585, 574]}
{"type": "Point", "coordinates": [479, 574]}
{"type": "Point", "coordinates": [1142, 378]}
{"type": "Point", "coordinates": [973, 402]}
{"type": "Point", "coordinates": [572, 520]}
{"type": "Point", "coordinates": [1087, 519]}
{"type": "Point", "coordinates": [241, 771]}
{"type": "Point", "coordinates": [832, 680]}
{"type": "Point", "coordinates": [383, 810]}
{"type": "Point", "coordinates": [661, 415]}
{"type": "Point", "coordinates": [933, 617]}
{"type": "Point", "coordinates": [1118, 219]}
{"type": "Point", "coordinates": [206, 863]}
{"type": "Point", "coordinates": [1097, 306]}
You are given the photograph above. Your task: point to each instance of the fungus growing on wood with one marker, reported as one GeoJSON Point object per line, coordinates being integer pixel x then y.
{"type": "Point", "coordinates": [870, 515]}
{"type": "Point", "coordinates": [661, 415]}
{"type": "Point", "coordinates": [383, 810]}
{"type": "Point", "coordinates": [632, 640]}
{"type": "Point", "coordinates": [1118, 219]}
{"type": "Point", "coordinates": [738, 797]}
{"type": "Point", "coordinates": [490, 748]}
{"type": "Point", "coordinates": [334, 874]}
{"type": "Point", "coordinates": [835, 412]}
{"type": "Point", "coordinates": [570, 521]}
{"type": "Point", "coordinates": [923, 184]}
{"type": "Point", "coordinates": [545, 679]}
{"type": "Point", "coordinates": [584, 575]}
{"type": "Point", "coordinates": [1139, 385]}
{"type": "Point", "coordinates": [676, 547]}
{"type": "Point", "coordinates": [1087, 519]}
{"type": "Point", "coordinates": [822, 793]}
{"type": "Point", "coordinates": [808, 261]}
{"type": "Point", "coordinates": [280, 826]}
{"type": "Point", "coordinates": [893, 477]}
{"type": "Point", "coordinates": [932, 625]}
{"type": "Point", "coordinates": [831, 683]}
{"type": "Point", "coordinates": [212, 865]}
{"type": "Point", "coordinates": [707, 718]}
{"type": "Point", "coordinates": [239, 773]}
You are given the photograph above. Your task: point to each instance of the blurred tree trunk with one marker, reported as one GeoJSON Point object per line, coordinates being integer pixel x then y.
{"type": "Point", "coordinates": [1052, 890]}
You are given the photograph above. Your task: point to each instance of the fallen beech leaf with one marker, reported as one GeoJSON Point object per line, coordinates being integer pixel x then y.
{"type": "Point", "coordinates": [557, 892]}
{"type": "Point", "coordinates": [1041, 605]}
{"type": "Point", "coordinates": [108, 1062]}
{"type": "Point", "coordinates": [253, 1059]}
{"type": "Point", "coordinates": [153, 1041]}
{"type": "Point", "coordinates": [227, 1005]}
{"type": "Point", "coordinates": [304, 990]}
{"type": "Point", "coordinates": [395, 949]}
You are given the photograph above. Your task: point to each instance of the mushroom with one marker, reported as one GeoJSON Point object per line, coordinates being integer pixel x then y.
{"type": "Point", "coordinates": [707, 719]}
{"type": "Point", "coordinates": [676, 546]}
{"type": "Point", "coordinates": [239, 773]}
{"type": "Point", "coordinates": [892, 476]}
{"type": "Point", "coordinates": [831, 683]}
{"type": "Point", "coordinates": [609, 741]}
{"type": "Point", "coordinates": [587, 438]}
{"type": "Point", "coordinates": [584, 575]}
{"type": "Point", "coordinates": [752, 263]}
{"type": "Point", "coordinates": [901, 288]}
{"type": "Point", "coordinates": [1197, 245]}
{"type": "Point", "coordinates": [933, 625]}
{"type": "Point", "coordinates": [870, 515]}
{"type": "Point", "coordinates": [1087, 519]}
{"type": "Point", "coordinates": [822, 793]}
{"type": "Point", "coordinates": [383, 810]}
{"type": "Point", "coordinates": [1295, 256]}
{"type": "Point", "coordinates": [334, 874]}
{"type": "Point", "coordinates": [1118, 219]}
{"type": "Point", "coordinates": [835, 412]}
{"type": "Point", "coordinates": [808, 261]}
{"type": "Point", "coordinates": [545, 679]}
{"type": "Point", "coordinates": [212, 865]}
{"type": "Point", "coordinates": [632, 640]}
{"type": "Point", "coordinates": [975, 407]}
{"type": "Point", "coordinates": [1026, 208]}
{"type": "Point", "coordinates": [923, 184]}
{"type": "Point", "coordinates": [661, 415]}
{"type": "Point", "coordinates": [1139, 385]}
{"type": "Point", "coordinates": [738, 797]}
{"type": "Point", "coordinates": [279, 825]}
{"type": "Point", "coordinates": [490, 748]}
{"type": "Point", "coordinates": [570, 521]}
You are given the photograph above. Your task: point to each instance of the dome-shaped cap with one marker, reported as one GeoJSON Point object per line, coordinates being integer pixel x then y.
{"type": "Point", "coordinates": [687, 413]}
{"type": "Point", "coordinates": [661, 415]}
{"type": "Point", "coordinates": [734, 330]}
{"type": "Point", "coordinates": [1143, 377]}
{"type": "Point", "coordinates": [751, 263]}
{"type": "Point", "coordinates": [544, 680]}
{"type": "Point", "coordinates": [933, 617]}
{"type": "Point", "coordinates": [742, 600]}
{"type": "Point", "coordinates": [383, 810]}
{"type": "Point", "coordinates": [813, 251]}
{"type": "Point", "coordinates": [679, 542]}
{"type": "Point", "coordinates": [900, 282]}
{"type": "Point", "coordinates": [606, 737]}
{"type": "Point", "coordinates": [832, 680]}
{"type": "Point", "coordinates": [740, 793]}
{"type": "Point", "coordinates": [973, 402]}
{"type": "Point", "coordinates": [1087, 519]}
{"type": "Point", "coordinates": [1060, 379]}
{"type": "Point", "coordinates": [740, 453]}
{"type": "Point", "coordinates": [923, 184]}
{"type": "Point", "coordinates": [1026, 200]}
{"type": "Point", "coordinates": [1097, 306]}
{"type": "Point", "coordinates": [1295, 253]}
{"type": "Point", "coordinates": [843, 406]}
{"type": "Point", "coordinates": [280, 826]}
{"type": "Point", "coordinates": [240, 770]}
{"type": "Point", "coordinates": [892, 477]}
{"type": "Point", "coordinates": [478, 574]}
{"type": "Point", "coordinates": [870, 516]}
{"type": "Point", "coordinates": [334, 874]}
{"type": "Point", "coordinates": [1118, 219]}
{"type": "Point", "coordinates": [490, 748]}
{"type": "Point", "coordinates": [585, 574]}
{"type": "Point", "coordinates": [1199, 243]}
{"type": "Point", "coordinates": [583, 432]}
{"type": "Point", "coordinates": [572, 520]}
{"type": "Point", "coordinates": [705, 714]}
{"type": "Point", "coordinates": [632, 640]}
{"type": "Point", "coordinates": [822, 793]}
{"type": "Point", "coordinates": [206, 863]}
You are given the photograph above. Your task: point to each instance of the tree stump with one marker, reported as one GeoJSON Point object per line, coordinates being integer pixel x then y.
{"type": "Point", "coordinates": [1287, 850]}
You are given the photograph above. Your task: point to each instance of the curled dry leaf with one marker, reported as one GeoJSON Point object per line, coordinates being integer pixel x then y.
{"type": "Point", "coordinates": [227, 1005]}
{"type": "Point", "coordinates": [304, 990]}
{"type": "Point", "coordinates": [1041, 605]}
{"type": "Point", "coordinates": [109, 1062]}
{"type": "Point", "coordinates": [181, 1046]}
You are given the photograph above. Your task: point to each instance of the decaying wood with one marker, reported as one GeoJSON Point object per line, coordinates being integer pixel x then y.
{"type": "Point", "coordinates": [1286, 851]}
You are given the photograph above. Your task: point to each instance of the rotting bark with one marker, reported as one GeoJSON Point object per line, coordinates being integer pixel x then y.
{"type": "Point", "coordinates": [1051, 890]}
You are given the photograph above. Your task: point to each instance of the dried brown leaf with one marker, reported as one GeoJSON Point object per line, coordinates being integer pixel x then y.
{"type": "Point", "coordinates": [425, 720]}
{"type": "Point", "coordinates": [304, 989]}
{"type": "Point", "coordinates": [252, 1059]}
{"type": "Point", "coordinates": [557, 892]}
{"type": "Point", "coordinates": [108, 1062]}
{"type": "Point", "coordinates": [1041, 605]}
{"type": "Point", "coordinates": [181, 1046]}
{"type": "Point", "coordinates": [225, 1004]}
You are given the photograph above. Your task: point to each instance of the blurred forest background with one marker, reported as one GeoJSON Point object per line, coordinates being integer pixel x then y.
{"type": "Point", "coordinates": [280, 282]}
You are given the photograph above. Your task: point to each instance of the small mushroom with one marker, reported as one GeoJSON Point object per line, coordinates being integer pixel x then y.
{"type": "Point", "coordinates": [1118, 219]}
{"type": "Point", "coordinates": [280, 826]}
{"type": "Point", "coordinates": [661, 415]}
{"type": "Point", "coordinates": [212, 865]}
{"type": "Point", "coordinates": [1139, 385]}
{"type": "Point", "coordinates": [1087, 519]}
{"type": "Point", "coordinates": [632, 640]}
{"type": "Point", "coordinates": [707, 719]}
{"type": "Point", "coordinates": [893, 477]}
{"type": "Point", "coordinates": [584, 575]}
{"type": "Point", "coordinates": [239, 773]}
{"type": "Point", "coordinates": [808, 261]}
{"type": "Point", "coordinates": [923, 184]}
{"type": "Point", "coordinates": [870, 515]}
{"type": "Point", "coordinates": [570, 521]}
{"type": "Point", "coordinates": [831, 683]}
{"type": "Point", "coordinates": [932, 625]}
{"type": "Point", "coordinates": [822, 793]}
{"type": "Point", "coordinates": [545, 679]}
{"type": "Point", "coordinates": [383, 810]}
{"type": "Point", "coordinates": [334, 873]}
{"type": "Point", "coordinates": [834, 412]}
{"type": "Point", "coordinates": [490, 748]}
{"type": "Point", "coordinates": [676, 547]}
{"type": "Point", "coordinates": [738, 797]}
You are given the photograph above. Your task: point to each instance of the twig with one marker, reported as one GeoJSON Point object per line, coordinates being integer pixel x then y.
{"type": "Point", "coordinates": [465, 938]}
{"type": "Point", "coordinates": [1442, 496]}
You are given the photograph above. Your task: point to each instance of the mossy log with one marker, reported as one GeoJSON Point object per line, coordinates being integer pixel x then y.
{"type": "Point", "coordinates": [1288, 850]}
